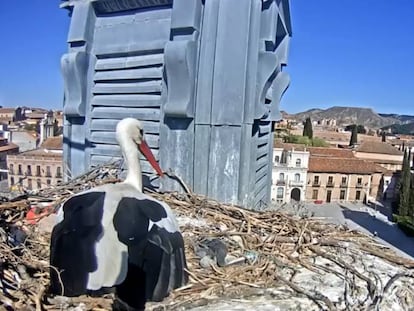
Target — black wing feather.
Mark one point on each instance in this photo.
(158, 253)
(72, 244)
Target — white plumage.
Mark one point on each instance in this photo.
(116, 236)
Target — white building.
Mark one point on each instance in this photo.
(290, 165)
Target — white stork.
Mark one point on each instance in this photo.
(114, 236)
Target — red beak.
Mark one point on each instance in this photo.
(146, 151)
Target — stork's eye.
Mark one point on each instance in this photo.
(141, 132)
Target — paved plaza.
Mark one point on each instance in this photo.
(374, 220)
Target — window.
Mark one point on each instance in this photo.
(38, 170)
(330, 179)
(316, 180)
(297, 177)
(58, 172)
(298, 162)
(279, 193)
(342, 195)
(48, 174)
(20, 172)
(11, 181)
(281, 177)
(11, 169)
(277, 159)
(359, 181)
(358, 195)
(387, 182)
(39, 184)
(29, 170)
(315, 194)
(29, 184)
(48, 182)
(343, 180)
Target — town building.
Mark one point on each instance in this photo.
(9, 115)
(6, 148)
(37, 168)
(289, 175)
(380, 153)
(335, 175)
(26, 140)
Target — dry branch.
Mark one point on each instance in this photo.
(269, 249)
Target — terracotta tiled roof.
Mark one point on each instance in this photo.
(8, 147)
(342, 165)
(287, 146)
(53, 143)
(385, 161)
(40, 153)
(378, 147)
(35, 115)
(7, 110)
(327, 152)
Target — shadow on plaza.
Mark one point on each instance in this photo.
(387, 232)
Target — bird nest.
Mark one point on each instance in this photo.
(268, 254)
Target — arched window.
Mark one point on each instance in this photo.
(281, 176)
(298, 162)
(277, 159)
(279, 193)
(297, 177)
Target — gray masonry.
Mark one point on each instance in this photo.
(205, 76)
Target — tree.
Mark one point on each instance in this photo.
(360, 128)
(307, 128)
(383, 137)
(405, 185)
(56, 128)
(354, 136)
(412, 166)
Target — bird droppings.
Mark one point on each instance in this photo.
(285, 262)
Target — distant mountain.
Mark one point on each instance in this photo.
(354, 115)
(405, 128)
(400, 118)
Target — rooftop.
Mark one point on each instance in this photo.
(7, 110)
(327, 152)
(40, 153)
(291, 147)
(378, 147)
(8, 147)
(53, 143)
(342, 165)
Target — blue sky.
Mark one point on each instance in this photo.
(33, 39)
(350, 53)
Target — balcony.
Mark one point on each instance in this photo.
(281, 182)
(296, 183)
(279, 164)
(28, 173)
(343, 185)
(358, 186)
(58, 175)
(316, 184)
(330, 184)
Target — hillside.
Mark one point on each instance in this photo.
(406, 128)
(354, 115)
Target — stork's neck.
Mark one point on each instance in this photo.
(131, 156)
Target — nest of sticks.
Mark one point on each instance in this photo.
(269, 250)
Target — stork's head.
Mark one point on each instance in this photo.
(131, 130)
